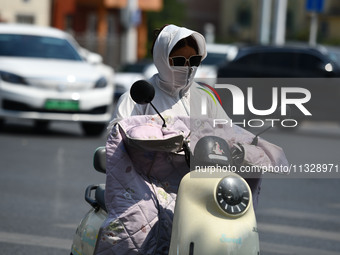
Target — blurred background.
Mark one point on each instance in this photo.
(46, 167)
(108, 27)
(121, 31)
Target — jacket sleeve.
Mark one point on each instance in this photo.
(125, 107)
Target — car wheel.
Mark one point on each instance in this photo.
(41, 125)
(2, 121)
(93, 129)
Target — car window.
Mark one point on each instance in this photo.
(17, 45)
(248, 60)
(265, 64)
(278, 60)
(335, 56)
(310, 63)
(242, 66)
(138, 67)
(214, 59)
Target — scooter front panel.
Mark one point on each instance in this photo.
(201, 227)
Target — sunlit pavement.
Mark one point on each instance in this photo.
(41, 206)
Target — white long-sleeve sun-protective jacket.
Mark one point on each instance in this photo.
(176, 92)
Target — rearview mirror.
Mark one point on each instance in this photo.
(142, 92)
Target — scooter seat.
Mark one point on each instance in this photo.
(100, 196)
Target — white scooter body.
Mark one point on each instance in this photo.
(200, 226)
(85, 238)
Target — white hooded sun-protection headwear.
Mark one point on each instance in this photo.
(175, 80)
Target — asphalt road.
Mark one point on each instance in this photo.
(300, 215)
(43, 178)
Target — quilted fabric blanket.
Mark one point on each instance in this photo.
(144, 170)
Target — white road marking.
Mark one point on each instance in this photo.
(35, 240)
(281, 249)
(290, 214)
(299, 231)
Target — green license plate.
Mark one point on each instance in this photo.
(62, 105)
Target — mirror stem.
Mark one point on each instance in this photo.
(256, 138)
(164, 125)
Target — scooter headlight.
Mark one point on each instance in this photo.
(233, 195)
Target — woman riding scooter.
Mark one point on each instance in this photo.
(141, 202)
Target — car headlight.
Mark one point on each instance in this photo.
(12, 78)
(232, 195)
(329, 67)
(101, 83)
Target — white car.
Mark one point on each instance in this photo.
(44, 78)
(129, 73)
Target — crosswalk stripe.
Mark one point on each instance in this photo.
(289, 214)
(299, 231)
(282, 249)
(35, 240)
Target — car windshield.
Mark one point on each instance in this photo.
(29, 46)
(335, 56)
(138, 67)
(214, 59)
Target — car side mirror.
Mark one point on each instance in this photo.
(94, 58)
(90, 57)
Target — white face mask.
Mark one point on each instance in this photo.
(183, 76)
